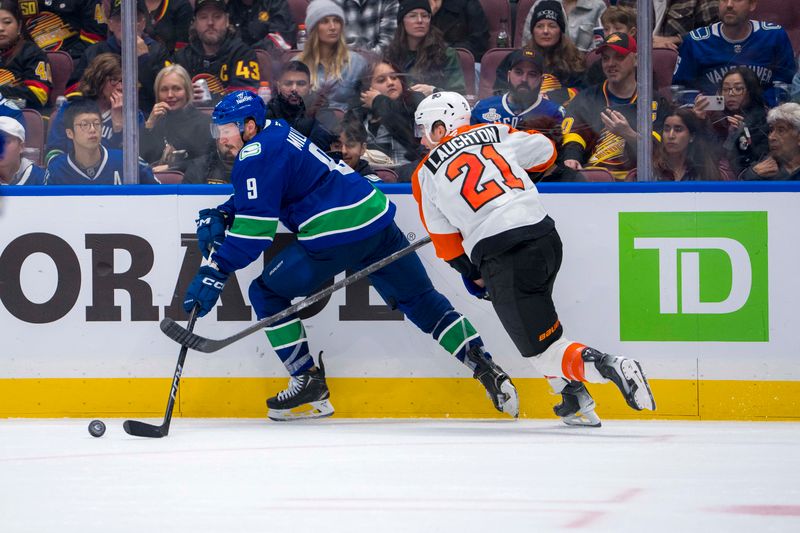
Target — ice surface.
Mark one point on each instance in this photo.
(400, 475)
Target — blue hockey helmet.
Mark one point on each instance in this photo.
(237, 107)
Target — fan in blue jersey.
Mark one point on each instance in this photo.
(524, 101)
(89, 162)
(14, 168)
(710, 51)
(341, 223)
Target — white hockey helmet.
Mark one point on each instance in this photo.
(449, 107)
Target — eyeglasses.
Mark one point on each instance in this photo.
(424, 16)
(86, 126)
(114, 81)
(736, 90)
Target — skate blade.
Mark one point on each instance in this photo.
(588, 419)
(509, 404)
(307, 411)
(641, 395)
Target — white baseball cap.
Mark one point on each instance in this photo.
(12, 127)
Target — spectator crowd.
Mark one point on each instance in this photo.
(349, 75)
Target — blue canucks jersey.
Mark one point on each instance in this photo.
(497, 109)
(62, 170)
(282, 176)
(707, 55)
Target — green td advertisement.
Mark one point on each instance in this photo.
(694, 276)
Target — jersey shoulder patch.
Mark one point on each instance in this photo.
(250, 150)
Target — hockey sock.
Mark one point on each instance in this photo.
(565, 358)
(289, 342)
(456, 334)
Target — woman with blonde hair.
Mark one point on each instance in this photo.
(176, 132)
(335, 70)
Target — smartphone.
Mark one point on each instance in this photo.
(715, 103)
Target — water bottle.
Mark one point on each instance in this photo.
(502, 36)
(302, 36)
(60, 101)
(265, 92)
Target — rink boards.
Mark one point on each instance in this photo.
(699, 284)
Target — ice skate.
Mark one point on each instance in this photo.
(306, 397)
(577, 406)
(626, 374)
(498, 385)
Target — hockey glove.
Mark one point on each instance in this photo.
(474, 289)
(204, 290)
(211, 226)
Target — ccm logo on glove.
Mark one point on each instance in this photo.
(213, 283)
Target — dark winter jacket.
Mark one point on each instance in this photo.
(208, 169)
(185, 129)
(397, 116)
(295, 116)
(446, 77)
(254, 22)
(464, 25)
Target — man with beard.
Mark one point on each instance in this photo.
(294, 86)
(216, 54)
(707, 53)
(523, 101)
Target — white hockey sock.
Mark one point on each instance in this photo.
(564, 358)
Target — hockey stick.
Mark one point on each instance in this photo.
(141, 429)
(185, 336)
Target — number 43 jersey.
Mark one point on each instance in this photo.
(475, 185)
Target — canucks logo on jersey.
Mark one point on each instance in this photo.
(498, 109)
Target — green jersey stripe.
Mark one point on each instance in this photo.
(254, 227)
(286, 334)
(454, 337)
(345, 218)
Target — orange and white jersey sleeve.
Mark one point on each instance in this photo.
(474, 185)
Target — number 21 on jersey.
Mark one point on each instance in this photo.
(475, 193)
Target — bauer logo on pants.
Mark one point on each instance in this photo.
(693, 276)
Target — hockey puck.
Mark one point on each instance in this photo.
(97, 428)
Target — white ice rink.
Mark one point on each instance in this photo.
(405, 476)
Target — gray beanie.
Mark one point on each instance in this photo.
(319, 9)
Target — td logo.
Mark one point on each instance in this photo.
(693, 276)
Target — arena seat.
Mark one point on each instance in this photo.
(34, 132)
(61, 67)
(784, 13)
(664, 61)
(387, 175)
(597, 175)
(467, 61)
(265, 66)
(523, 6)
(298, 11)
(497, 10)
(489, 62)
(170, 177)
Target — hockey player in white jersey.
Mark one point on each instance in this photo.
(486, 220)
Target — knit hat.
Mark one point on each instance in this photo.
(319, 9)
(549, 10)
(407, 6)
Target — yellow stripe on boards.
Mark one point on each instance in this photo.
(385, 398)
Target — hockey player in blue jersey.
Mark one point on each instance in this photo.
(524, 101)
(707, 53)
(341, 222)
(89, 162)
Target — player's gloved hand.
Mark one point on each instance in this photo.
(211, 227)
(204, 290)
(474, 289)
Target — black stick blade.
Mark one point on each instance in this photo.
(140, 429)
(184, 337)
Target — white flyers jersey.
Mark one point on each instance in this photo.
(475, 184)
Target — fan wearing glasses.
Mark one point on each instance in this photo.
(741, 127)
(89, 162)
